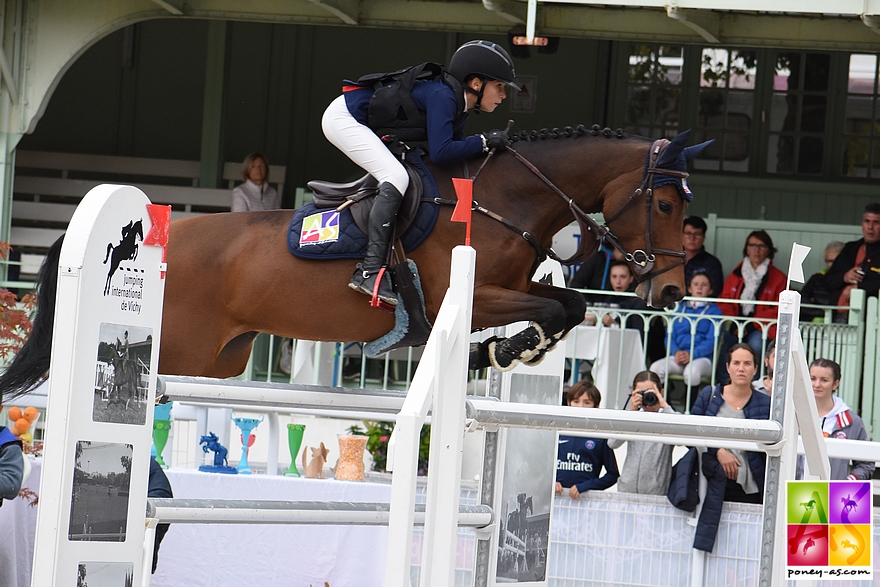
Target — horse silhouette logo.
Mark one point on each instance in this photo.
(809, 505)
(126, 250)
(848, 503)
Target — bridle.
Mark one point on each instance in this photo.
(643, 260)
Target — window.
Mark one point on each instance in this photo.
(861, 129)
(726, 106)
(653, 90)
(798, 113)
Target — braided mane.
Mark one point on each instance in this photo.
(569, 131)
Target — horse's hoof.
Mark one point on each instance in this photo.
(478, 357)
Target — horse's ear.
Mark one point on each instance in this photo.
(690, 153)
(676, 155)
(671, 153)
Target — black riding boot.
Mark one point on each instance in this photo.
(379, 231)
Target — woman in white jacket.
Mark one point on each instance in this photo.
(837, 420)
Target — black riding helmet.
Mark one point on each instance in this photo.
(487, 61)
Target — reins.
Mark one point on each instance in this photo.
(642, 259)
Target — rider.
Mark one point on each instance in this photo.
(478, 73)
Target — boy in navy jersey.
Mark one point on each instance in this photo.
(580, 460)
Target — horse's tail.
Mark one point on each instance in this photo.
(31, 362)
(109, 248)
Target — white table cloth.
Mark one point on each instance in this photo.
(213, 555)
(617, 356)
(18, 527)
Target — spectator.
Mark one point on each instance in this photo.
(680, 361)
(744, 471)
(255, 193)
(158, 486)
(765, 385)
(593, 274)
(698, 260)
(581, 460)
(755, 278)
(858, 264)
(816, 290)
(837, 421)
(621, 279)
(648, 466)
(11, 464)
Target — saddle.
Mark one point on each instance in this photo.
(358, 196)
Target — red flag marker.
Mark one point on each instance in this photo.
(160, 217)
(464, 189)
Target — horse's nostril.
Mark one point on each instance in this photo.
(671, 294)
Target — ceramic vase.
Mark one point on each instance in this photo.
(294, 442)
(161, 429)
(351, 458)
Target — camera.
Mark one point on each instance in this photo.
(649, 398)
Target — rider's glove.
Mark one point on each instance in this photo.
(495, 139)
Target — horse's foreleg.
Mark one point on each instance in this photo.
(573, 304)
(497, 306)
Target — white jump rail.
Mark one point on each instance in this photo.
(251, 511)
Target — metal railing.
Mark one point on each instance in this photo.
(344, 364)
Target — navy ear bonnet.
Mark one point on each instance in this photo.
(676, 157)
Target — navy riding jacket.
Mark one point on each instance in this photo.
(446, 140)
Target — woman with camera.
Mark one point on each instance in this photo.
(743, 470)
(648, 466)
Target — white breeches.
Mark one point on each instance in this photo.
(362, 145)
(691, 373)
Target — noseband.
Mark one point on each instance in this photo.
(643, 260)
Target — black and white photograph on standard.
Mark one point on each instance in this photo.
(122, 373)
(101, 483)
(104, 574)
(529, 475)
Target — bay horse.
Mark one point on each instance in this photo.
(230, 275)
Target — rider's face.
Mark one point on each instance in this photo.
(494, 93)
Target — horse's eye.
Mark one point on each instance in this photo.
(666, 207)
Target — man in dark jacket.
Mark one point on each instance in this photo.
(698, 260)
(858, 264)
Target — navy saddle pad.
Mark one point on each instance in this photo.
(323, 233)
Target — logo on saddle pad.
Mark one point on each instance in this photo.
(320, 228)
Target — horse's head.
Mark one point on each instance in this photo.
(646, 224)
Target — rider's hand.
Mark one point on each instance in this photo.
(495, 139)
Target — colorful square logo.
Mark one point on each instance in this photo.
(829, 529)
(320, 228)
